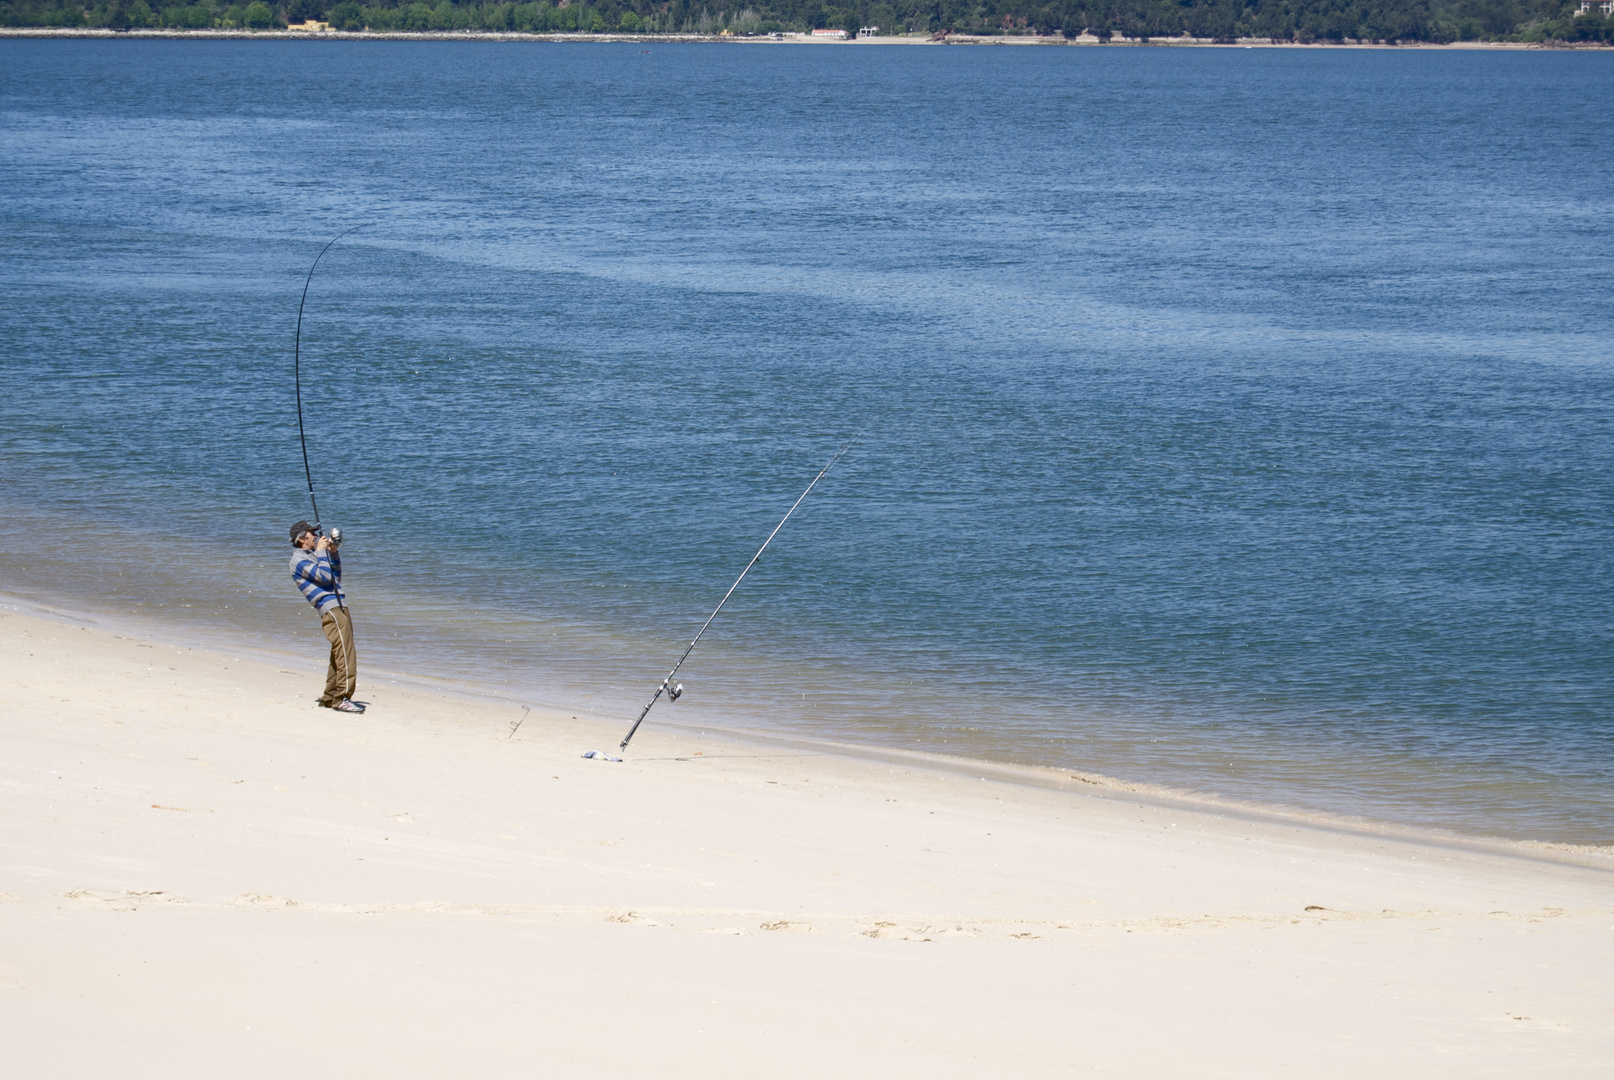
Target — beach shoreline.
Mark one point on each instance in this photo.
(1056, 778)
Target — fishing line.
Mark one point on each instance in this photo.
(297, 368)
(675, 690)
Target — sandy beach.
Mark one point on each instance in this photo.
(205, 875)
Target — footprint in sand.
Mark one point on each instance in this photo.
(126, 900)
(632, 917)
(884, 930)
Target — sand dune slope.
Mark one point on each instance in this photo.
(205, 876)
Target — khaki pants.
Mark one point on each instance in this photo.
(344, 674)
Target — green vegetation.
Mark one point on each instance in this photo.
(1283, 20)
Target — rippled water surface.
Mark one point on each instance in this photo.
(1235, 420)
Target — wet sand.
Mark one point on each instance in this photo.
(203, 874)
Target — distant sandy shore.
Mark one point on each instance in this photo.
(780, 39)
(204, 875)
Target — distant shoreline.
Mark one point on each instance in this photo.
(1082, 41)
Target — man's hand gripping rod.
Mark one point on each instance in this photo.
(666, 686)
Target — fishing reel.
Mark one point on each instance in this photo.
(674, 690)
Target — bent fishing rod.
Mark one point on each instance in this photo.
(297, 368)
(674, 691)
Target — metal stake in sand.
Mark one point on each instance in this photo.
(297, 369)
(667, 686)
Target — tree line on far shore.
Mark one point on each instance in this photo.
(1221, 20)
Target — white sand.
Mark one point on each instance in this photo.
(206, 876)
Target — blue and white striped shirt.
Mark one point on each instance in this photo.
(319, 575)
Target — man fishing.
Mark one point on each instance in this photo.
(316, 567)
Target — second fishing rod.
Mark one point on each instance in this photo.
(674, 690)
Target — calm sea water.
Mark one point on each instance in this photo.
(1236, 420)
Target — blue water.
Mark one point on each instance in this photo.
(1234, 420)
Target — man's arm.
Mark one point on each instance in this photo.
(315, 567)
